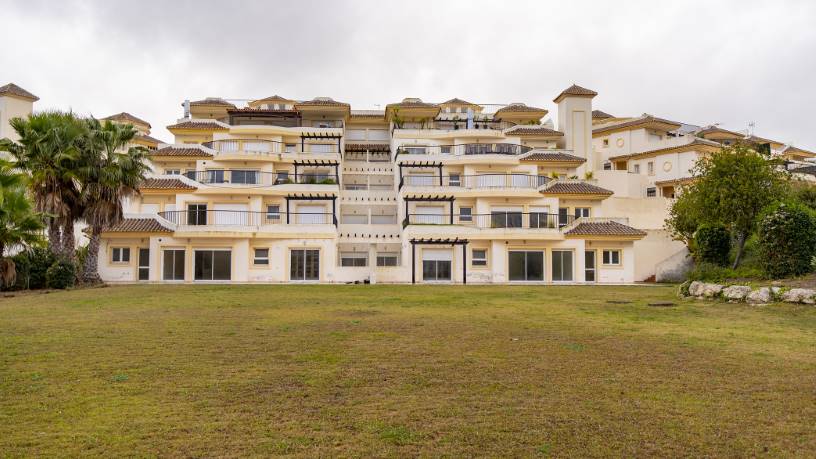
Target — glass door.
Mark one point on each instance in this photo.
(526, 265)
(144, 264)
(212, 265)
(304, 265)
(561, 265)
(589, 266)
(173, 265)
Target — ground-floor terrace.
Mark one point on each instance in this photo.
(167, 258)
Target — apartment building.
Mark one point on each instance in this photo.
(143, 138)
(284, 190)
(15, 102)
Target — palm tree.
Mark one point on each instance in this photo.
(108, 176)
(48, 151)
(20, 226)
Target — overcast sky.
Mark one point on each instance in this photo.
(696, 62)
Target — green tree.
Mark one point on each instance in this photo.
(20, 226)
(731, 188)
(787, 240)
(110, 173)
(48, 151)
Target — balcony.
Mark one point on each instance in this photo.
(477, 182)
(494, 220)
(263, 148)
(470, 149)
(253, 178)
(243, 220)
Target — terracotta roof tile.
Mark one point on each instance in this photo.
(191, 152)
(198, 124)
(533, 130)
(323, 101)
(645, 119)
(608, 228)
(126, 117)
(695, 142)
(574, 187)
(600, 115)
(555, 156)
(149, 138)
(575, 90)
(152, 183)
(716, 129)
(138, 225)
(412, 102)
(261, 110)
(275, 98)
(519, 107)
(212, 102)
(12, 89)
(368, 114)
(457, 101)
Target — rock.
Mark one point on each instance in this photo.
(775, 290)
(736, 292)
(759, 296)
(799, 295)
(695, 288)
(711, 290)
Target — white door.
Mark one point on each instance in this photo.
(314, 215)
(429, 215)
(232, 214)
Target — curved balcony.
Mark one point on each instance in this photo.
(494, 220)
(252, 178)
(477, 182)
(206, 219)
(510, 149)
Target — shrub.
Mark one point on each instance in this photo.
(62, 274)
(787, 240)
(39, 259)
(712, 244)
(22, 264)
(709, 272)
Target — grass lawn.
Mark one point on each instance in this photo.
(401, 370)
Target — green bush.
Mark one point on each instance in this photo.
(61, 275)
(709, 272)
(712, 244)
(787, 240)
(37, 261)
(22, 265)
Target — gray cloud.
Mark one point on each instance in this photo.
(698, 62)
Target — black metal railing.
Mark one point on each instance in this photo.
(524, 220)
(464, 149)
(237, 218)
(251, 177)
(264, 147)
(478, 181)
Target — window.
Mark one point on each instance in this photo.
(607, 166)
(505, 219)
(582, 212)
(290, 148)
(144, 264)
(304, 265)
(212, 265)
(454, 180)
(282, 177)
(465, 214)
(650, 167)
(445, 149)
(636, 169)
(322, 148)
(261, 257)
(606, 143)
(244, 176)
(172, 171)
(479, 257)
(561, 265)
(526, 265)
(120, 255)
(611, 257)
(388, 259)
(215, 176)
(355, 259)
(173, 264)
(196, 214)
(273, 213)
(651, 192)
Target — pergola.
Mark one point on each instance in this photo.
(428, 198)
(430, 241)
(313, 197)
(319, 135)
(318, 162)
(421, 164)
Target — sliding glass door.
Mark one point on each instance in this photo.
(562, 265)
(173, 264)
(304, 265)
(526, 265)
(212, 265)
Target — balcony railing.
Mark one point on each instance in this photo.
(252, 178)
(511, 149)
(243, 218)
(479, 181)
(523, 220)
(260, 147)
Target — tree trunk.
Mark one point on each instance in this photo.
(90, 272)
(54, 237)
(68, 242)
(740, 247)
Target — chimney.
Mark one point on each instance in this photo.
(186, 108)
(575, 121)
